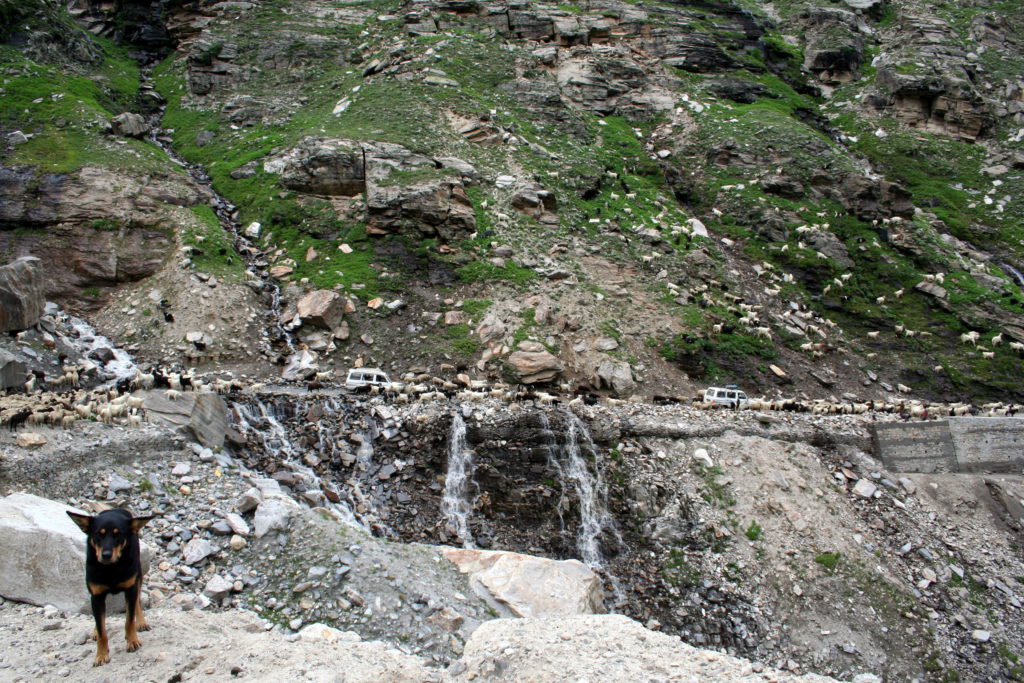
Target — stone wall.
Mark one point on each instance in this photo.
(959, 444)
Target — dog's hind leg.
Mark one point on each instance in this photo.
(99, 614)
(131, 602)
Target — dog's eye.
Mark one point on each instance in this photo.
(102, 531)
(117, 531)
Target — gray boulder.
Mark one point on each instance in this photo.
(21, 294)
(42, 555)
(617, 375)
(202, 414)
(13, 370)
(129, 124)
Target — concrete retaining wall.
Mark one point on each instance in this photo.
(959, 444)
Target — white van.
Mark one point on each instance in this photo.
(729, 395)
(363, 379)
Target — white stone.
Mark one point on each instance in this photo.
(981, 636)
(321, 633)
(218, 588)
(273, 514)
(237, 524)
(196, 550)
(701, 454)
(865, 489)
(527, 586)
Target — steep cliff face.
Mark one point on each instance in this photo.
(795, 196)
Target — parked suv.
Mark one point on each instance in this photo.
(363, 379)
(729, 395)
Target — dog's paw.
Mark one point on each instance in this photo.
(142, 626)
(133, 644)
(101, 659)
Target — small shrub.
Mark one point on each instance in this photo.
(753, 531)
(828, 561)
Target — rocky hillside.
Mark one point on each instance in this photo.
(607, 205)
(642, 198)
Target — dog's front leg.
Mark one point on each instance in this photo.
(99, 614)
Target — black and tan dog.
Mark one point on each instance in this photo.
(113, 563)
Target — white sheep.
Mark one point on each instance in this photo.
(971, 337)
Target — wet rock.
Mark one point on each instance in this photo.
(301, 365)
(273, 514)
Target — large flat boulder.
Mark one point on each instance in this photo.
(21, 294)
(42, 553)
(527, 586)
(202, 415)
(534, 367)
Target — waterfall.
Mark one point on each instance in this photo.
(1016, 274)
(226, 213)
(589, 486)
(261, 424)
(456, 504)
(121, 366)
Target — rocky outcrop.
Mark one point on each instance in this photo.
(403, 190)
(835, 44)
(532, 364)
(93, 227)
(527, 586)
(21, 294)
(927, 80)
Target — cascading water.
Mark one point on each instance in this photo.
(265, 429)
(120, 367)
(1016, 274)
(227, 215)
(589, 487)
(458, 482)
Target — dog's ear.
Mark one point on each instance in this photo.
(83, 521)
(139, 522)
